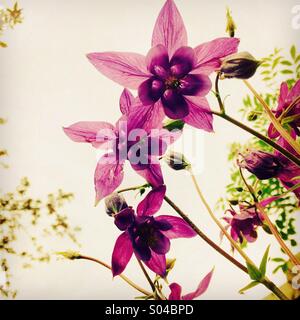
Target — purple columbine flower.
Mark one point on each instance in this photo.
(173, 77)
(244, 224)
(146, 236)
(288, 110)
(202, 287)
(124, 141)
(265, 165)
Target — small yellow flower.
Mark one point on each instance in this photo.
(15, 14)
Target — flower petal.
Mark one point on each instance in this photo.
(200, 115)
(203, 285)
(142, 250)
(295, 92)
(175, 291)
(180, 229)
(159, 243)
(146, 117)
(151, 173)
(174, 104)
(157, 264)
(183, 61)
(157, 61)
(127, 101)
(209, 54)
(108, 176)
(127, 69)
(122, 253)
(195, 85)
(152, 202)
(169, 29)
(124, 219)
(97, 133)
(151, 90)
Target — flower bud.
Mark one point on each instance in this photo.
(240, 65)
(115, 203)
(263, 165)
(230, 26)
(177, 161)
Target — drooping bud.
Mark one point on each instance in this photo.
(240, 65)
(230, 26)
(263, 165)
(115, 203)
(177, 161)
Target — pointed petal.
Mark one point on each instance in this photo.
(127, 69)
(200, 115)
(151, 173)
(169, 29)
(152, 202)
(146, 117)
(209, 54)
(127, 101)
(108, 176)
(122, 253)
(157, 263)
(180, 229)
(201, 288)
(295, 91)
(284, 91)
(175, 291)
(97, 133)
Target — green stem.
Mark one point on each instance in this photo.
(277, 125)
(239, 124)
(265, 281)
(131, 283)
(260, 136)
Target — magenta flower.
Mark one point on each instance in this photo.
(244, 224)
(146, 236)
(173, 77)
(290, 173)
(288, 110)
(265, 165)
(124, 141)
(202, 287)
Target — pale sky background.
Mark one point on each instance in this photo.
(47, 83)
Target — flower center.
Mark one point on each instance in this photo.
(172, 83)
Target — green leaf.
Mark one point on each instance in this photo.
(249, 286)
(293, 52)
(263, 264)
(286, 63)
(254, 273)
(174, 124)
(286, 71)
(278, 260)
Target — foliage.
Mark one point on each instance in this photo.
(275, 69)
(24, 219)
(9, 18)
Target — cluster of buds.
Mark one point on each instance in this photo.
(9, 17)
